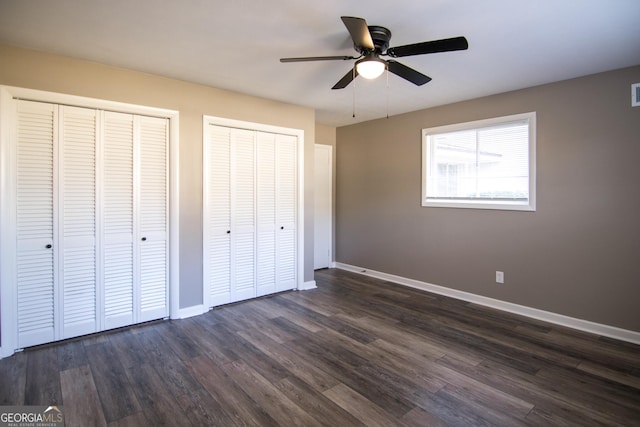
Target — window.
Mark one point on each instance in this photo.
(486, 164)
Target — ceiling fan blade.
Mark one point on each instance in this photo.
(434, 46)
(359, 32)
(348, 78)
(317, 58)
(407, 73)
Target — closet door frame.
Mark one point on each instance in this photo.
(260, 127)
(8, 220)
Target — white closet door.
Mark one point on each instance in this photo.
(287, 211)
(92, 214)
(243, 215)
(77, 221)
(217, 221)
(322, 206)
(266, 218)
(152, 207)
(250, 213)
(37, 127)
(118, 221)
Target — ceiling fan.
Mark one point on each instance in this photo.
(372, 42)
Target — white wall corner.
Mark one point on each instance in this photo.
(534, 313)
(311, 284)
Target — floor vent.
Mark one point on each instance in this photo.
(635, 95)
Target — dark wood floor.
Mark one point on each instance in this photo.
(356, 351)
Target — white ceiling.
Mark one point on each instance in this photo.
(236, 44)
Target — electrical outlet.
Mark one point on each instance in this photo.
(499, 277)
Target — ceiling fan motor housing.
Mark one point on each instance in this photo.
(380, 37)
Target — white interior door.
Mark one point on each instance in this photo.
(229, 250)
(117, 220)
(266, 218)
(77, 221)
(243, 215)
(286, 211)
(36, 265)
(277, 212)
(84, 215)
(322, 207)
(87, 183)
(217, 218)
(153, 218)
(251, 212)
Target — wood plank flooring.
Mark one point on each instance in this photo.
(355, 352)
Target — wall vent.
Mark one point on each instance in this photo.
(635, 95)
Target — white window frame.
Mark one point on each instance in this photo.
(470, 203)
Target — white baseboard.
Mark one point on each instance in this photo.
(534, 313)
(311, 284)
(194, 310)
(197, 310)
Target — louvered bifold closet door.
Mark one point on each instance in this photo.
(37, 126)
(152, 207)
(217, 221)
(266, 214)
(118, 218)
(243, 215)
(250, 213)
(287, 211)
(77, 221)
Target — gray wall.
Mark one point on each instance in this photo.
(577, 255)
(34, 70)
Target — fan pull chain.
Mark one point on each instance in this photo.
(354, 91)
(387, 67)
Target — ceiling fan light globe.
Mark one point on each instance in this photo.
(370, 68)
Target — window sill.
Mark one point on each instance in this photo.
(503, 205)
